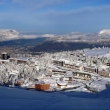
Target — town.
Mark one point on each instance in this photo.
(86, 70)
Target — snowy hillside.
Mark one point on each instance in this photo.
(59, 80)
(13, 98)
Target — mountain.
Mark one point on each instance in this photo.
(22, 42)
(104, 32)
(103, 35)
(54, 42)
(52, 46)
(8, 35)
(74, 40)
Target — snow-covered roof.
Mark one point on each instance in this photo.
(38, 82)
(62, 83)
(66, 61)
(31, 86)
(55, 68)
(4, 52)
(23, 59)
(4, 60)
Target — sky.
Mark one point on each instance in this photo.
(55, 16)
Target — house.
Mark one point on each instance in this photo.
(22, 60)
(58, 62)
(73, 66)
(4, 61)
(31, 86)
(58, 72)
(19, 61)
(68, 76)
(108, 64)
(48, 75)
(104, 73)
(19, 82)
(4, 56)
(12, 59)
(55, 70)
(42, 87)
(82, 75)
(90, 69)
(62, 84)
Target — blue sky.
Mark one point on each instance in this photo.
(55, 16)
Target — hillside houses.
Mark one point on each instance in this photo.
(59, 69)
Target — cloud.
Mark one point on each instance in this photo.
(35, 15)
(38, 4)
(48, 35)
(72, 17)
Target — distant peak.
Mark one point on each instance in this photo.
(105, 31)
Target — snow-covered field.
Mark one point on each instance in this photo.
(16, 98)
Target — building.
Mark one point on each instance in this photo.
(4, 56)
(62, 84)
(73, 66)
(42, 87)
(90, 69)
(57, 71)
(58, 63)
(19, 61)
(104, 73)
(82, 75)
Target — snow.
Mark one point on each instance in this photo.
(13, 73)
(105, 31)
(9, 34)
(72, 89)
(98, 52)
(66, 61)
(62, 83)
(15, 98)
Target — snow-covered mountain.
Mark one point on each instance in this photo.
(105, 32)
(10, 34)
(103, 35)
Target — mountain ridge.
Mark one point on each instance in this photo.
(10, 34)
